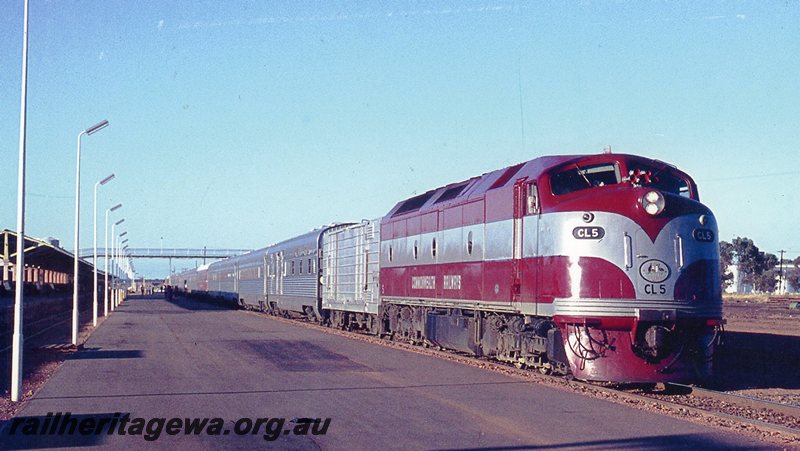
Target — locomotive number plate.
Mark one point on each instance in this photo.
(704, 235)
(588, 233)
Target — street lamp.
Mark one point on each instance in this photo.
(19, 269)
(89, 131)
(105, 253)
(120, 261)
(113, 239)
(94, 259)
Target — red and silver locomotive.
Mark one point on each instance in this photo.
(605, 266)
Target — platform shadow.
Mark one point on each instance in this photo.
(752, 360)
(656, 442)
(96, 353)
(200, 302)
(32, 362)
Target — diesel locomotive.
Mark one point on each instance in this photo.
(603, 266)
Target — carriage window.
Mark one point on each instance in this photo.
(469, 243)
(292, 267)
(577, 177)
(310, 267)
(433, 248)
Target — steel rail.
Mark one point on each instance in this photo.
(741, 400)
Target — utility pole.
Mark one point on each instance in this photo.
(781, 282)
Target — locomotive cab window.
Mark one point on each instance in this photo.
(531, 199)
(577, 177)
(663, 178)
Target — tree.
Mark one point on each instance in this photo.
(747, 257)
(756, 268)
(767, 276)
(793, 274)
(725, 262)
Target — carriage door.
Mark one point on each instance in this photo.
(266, 280)
(281, 271)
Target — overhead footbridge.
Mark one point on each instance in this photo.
(144, 252)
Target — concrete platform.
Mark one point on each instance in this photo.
(154, 359)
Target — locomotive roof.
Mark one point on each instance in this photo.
(478, 186)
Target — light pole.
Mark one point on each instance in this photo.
(106, 254)
(89, 131)
(120, 263)
(113, 256)
(94, 259)
(19, 266)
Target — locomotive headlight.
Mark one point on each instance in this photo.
(653, 202)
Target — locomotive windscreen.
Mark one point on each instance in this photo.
(578, 177)
(664, 178)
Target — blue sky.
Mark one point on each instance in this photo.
(242, 123)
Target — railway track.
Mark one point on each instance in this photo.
(767, 420)
(784, 417)
(50, 322)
